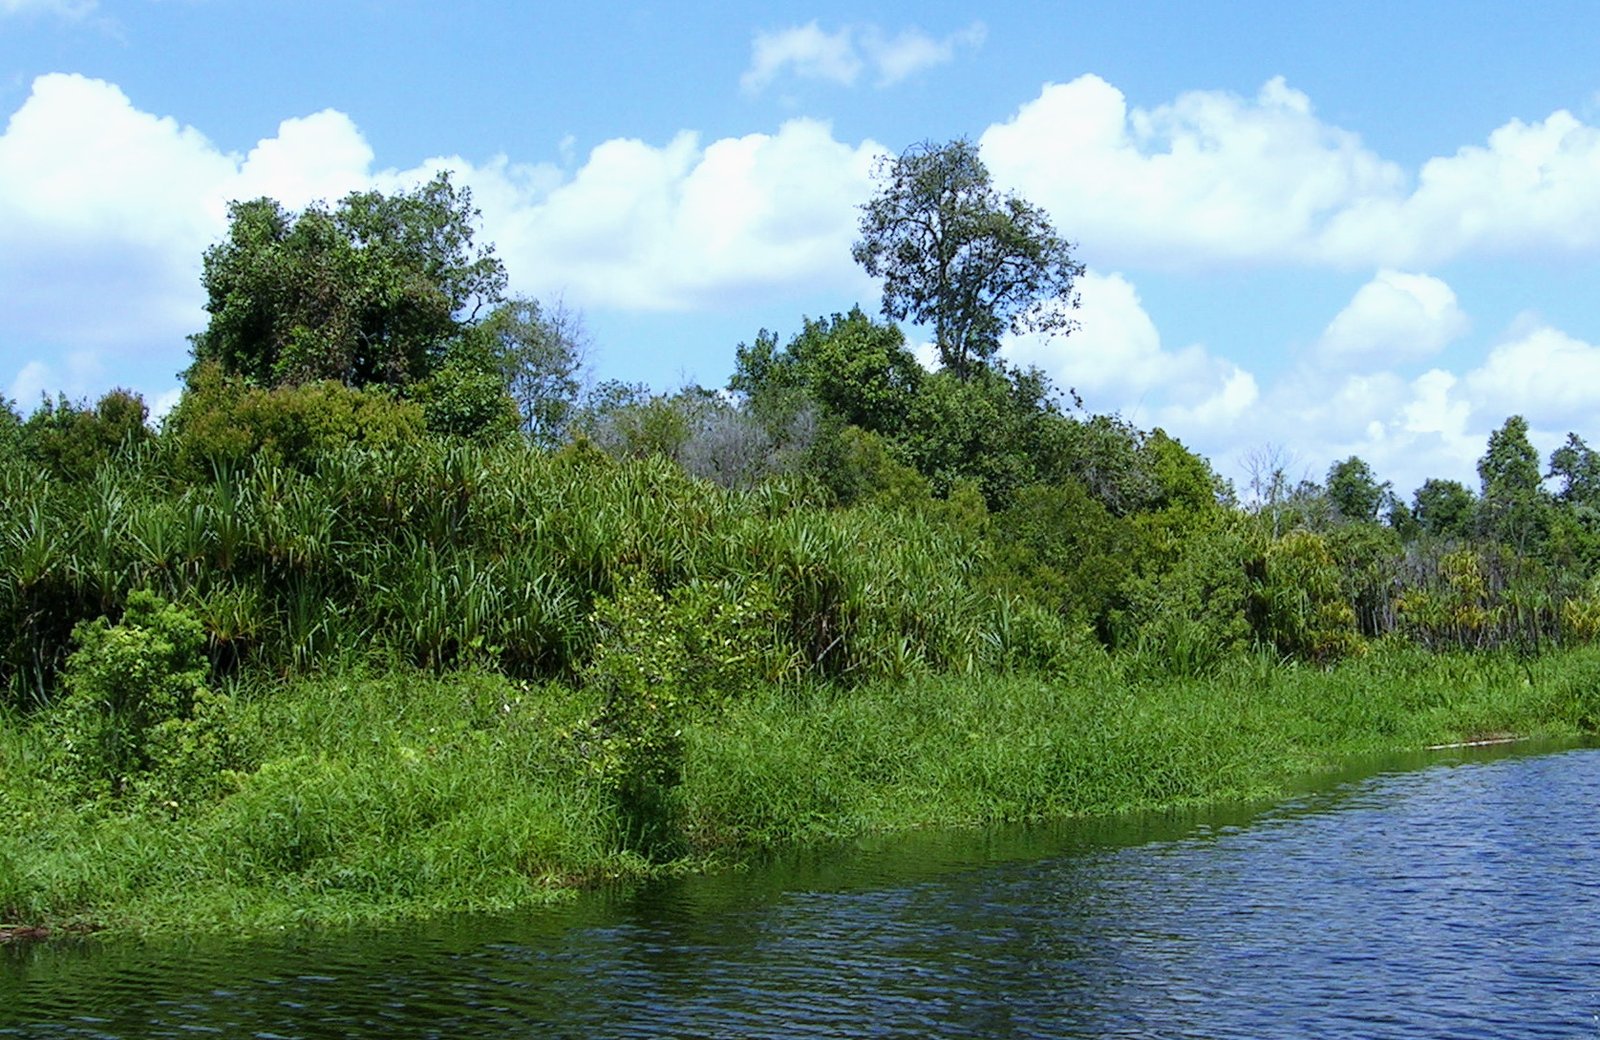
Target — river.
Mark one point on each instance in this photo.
(1451, 896)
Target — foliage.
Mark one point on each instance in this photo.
(223, 423)
(855, 371)
(1512, 509)
(859, 466)
(1297, 605)
(72, 441)
(137, 713)
(1444, 508)
(1354, 490)
(1577, 466)
(660, 661)
(1058, 546)
(467, 396)
(1369, 560)
(991, 428)
(539, 353)
(1187, 600)
(370, 292)
(954, 252)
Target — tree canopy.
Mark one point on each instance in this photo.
(954, 252)
(372, 291)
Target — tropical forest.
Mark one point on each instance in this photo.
(398, 613)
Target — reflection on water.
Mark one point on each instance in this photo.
(1459, 899)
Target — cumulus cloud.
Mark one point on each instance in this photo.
(105, 211)
(1409, 428)
(686, 225)
(1531, 187)
(1116, 362)
(839, 57)
(1209, 177)
(1394, 318)
(1436, 424)
(1214, 177)
(1543, 373)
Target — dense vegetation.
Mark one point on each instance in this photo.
(388, 617)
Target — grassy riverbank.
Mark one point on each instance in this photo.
(370, 798)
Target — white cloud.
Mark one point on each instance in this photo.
(806, 51)
(106, 210)
(1532, 187)
(839, 57)
(1394, 318)
(1434, 425)
(685, 225)
(1544, 373)
(1212, 177)
(79, 374)
(913, 51)
(1208, 177)
(1116, 362)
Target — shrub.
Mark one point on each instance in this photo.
(660, 659)
(224, 423)
(137, 717)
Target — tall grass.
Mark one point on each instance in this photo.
(446, 554)
(377, 795)
(793, 765)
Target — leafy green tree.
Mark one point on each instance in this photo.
(466, 395)
(1058, 545)
(72, 441)
(1444, 508)
(223, 423)
(372, 291)
(1105, 453)
(10, 428)
(993, 428)
(858, 465)
(852, 368)
(539, 353)
(1514, 506)
(137, 710)
(1182, 478)
(1355, 491)
(954, 252)
(1577, 466)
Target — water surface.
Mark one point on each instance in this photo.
(1459, 898)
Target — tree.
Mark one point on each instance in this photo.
(954, 252)
(373, 291)
(1355, 491)
(1444, 508)
(1512, 509)
(853, 369)
(1578, 467)
(540, 352)
(73, 440)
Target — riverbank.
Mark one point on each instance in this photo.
(375, 798)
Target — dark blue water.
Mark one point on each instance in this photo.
(1458, 899)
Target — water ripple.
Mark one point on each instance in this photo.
(1452, 901)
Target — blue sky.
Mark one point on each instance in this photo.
(1335, 229)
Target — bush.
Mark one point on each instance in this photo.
(659, 661)
(138, 717)
(223, 423)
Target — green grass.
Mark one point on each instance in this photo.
(374, 798)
